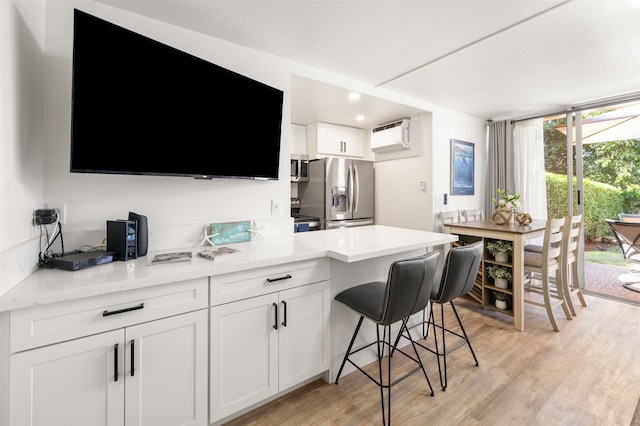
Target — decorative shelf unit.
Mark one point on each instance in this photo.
(482, 291)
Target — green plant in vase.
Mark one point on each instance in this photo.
(500, 299)
(500, 249)
(501, 275)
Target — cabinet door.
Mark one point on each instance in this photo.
(303, 333)
(244, 354)
(72, 383)
(330, 139)
(353, 141)
(166, 371)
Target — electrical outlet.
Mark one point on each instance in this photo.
(60, 208)
(275, 207)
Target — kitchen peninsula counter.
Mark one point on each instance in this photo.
(346, 245)
(191, 329)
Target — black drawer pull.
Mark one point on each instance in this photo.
(120, 311)
(286, 277)
(275, 318)
(115, 363)
(132, 356)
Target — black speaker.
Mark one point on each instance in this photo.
(122, 238)
(142, 236)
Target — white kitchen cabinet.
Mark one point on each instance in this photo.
(332, 139)
(266, 344)
(148, 368)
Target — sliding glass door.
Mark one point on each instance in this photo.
(592, 163)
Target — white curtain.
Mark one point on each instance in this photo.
(529, 179)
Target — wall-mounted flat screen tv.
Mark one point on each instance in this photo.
(142, 107)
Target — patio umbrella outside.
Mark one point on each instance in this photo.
(618, 125)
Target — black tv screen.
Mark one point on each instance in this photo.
(142, 107)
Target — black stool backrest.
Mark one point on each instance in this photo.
(409, 285)
(459, 272)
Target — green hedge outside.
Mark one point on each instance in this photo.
(602, 202)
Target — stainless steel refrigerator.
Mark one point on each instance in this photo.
(339, 192)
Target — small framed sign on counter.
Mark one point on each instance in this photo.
(230, 232)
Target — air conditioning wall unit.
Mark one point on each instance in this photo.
(391, 137)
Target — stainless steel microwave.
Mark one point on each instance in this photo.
(299, 168)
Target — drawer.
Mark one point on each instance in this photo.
(57, 322)
(256, 282)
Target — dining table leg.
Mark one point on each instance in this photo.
(518, 282)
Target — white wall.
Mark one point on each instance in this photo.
(35, 89)
(21, 141)
(400, 198)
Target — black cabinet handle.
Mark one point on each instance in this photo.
(286, 277)
(133, 342)
(284, 322)
(115, 366)
(275, 310)
(121, 311)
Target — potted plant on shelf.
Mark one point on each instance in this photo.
(501, 275)
(500, 250)
(501, 299)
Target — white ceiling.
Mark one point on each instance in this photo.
(493, 59)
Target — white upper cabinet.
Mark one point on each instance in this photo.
(332, 139)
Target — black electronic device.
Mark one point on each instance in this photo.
(142, 237)
(141, 107)
(74, 262)
(121, 238)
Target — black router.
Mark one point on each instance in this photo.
(74, 262)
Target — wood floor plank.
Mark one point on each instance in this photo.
(586, 374)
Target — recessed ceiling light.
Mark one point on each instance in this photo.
(360, 117)
(354, 96)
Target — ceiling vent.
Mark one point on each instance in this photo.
(391, 137)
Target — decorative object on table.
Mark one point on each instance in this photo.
(501, 275)
(501, 216)
(506, 205)
(211, 254)
(500, 299)
(462, 167)
(500, 250)
(182, 256)
(523, 218)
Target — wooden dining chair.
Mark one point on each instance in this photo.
(451, 216)
(471, 215)
(540, 268)
(573, 228)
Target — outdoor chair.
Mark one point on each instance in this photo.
(628, 236)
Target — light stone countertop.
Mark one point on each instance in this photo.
(345, 245)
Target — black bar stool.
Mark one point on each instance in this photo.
(407, 290)
(458, 277)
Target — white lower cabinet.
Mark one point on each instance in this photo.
(263, 345)
(136, 359)
(147, 374)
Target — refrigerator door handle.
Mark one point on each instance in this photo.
(356, 200)
(350, 190)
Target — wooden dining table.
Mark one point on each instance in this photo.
(518, 235)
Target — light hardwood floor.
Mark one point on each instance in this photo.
(586, 374)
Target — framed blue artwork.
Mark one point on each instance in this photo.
(462, 167)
